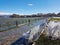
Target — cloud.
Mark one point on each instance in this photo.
(4, 13)
(30, 4)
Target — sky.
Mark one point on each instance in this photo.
(28, 7)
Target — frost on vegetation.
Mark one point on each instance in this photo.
(53, 29)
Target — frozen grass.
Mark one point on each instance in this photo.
(44, 40)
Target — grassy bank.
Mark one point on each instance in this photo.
(52, 19)
(44, 40)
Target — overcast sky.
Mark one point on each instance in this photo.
(29, 6)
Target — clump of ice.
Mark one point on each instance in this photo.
(52, 24)
(53, 29)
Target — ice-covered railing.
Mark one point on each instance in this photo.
(35, 31)
(33, 34)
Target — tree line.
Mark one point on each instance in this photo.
(35, 15)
